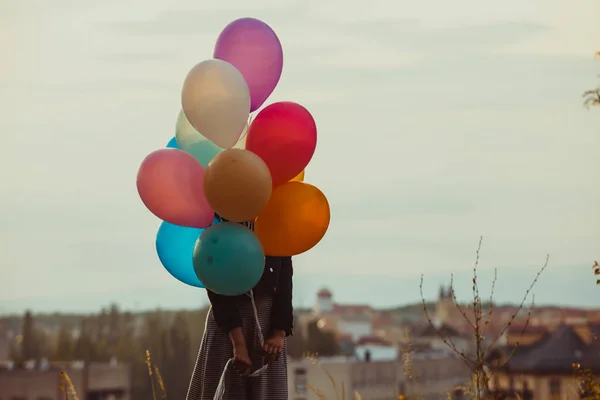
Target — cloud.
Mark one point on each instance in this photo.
(196, 19)
(447, 40)
(431, 12)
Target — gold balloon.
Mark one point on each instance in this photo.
(295, 219)
(237, 184)
(298, 178)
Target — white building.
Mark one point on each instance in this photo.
(355, 321)
(376, 349)
(311, 380)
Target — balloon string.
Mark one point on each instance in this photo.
(220, 392)
(246, 128)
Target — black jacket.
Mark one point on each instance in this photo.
(275, 281)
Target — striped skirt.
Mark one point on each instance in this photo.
(216, 349)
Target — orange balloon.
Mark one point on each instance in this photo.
(298, 178)
(294, 220)
(237, 184)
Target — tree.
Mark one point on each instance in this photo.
(296, 344)
(64, 344)
(592, 97)
(114, 322)
(84, 346)
(30, 345)
(320, 342)
(179, 362)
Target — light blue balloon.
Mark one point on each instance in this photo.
(229, 259)
(193, 143)
(203, 151)
(175, 247)
(173, 143)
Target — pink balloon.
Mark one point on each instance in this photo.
(254, 49)
(171, 184)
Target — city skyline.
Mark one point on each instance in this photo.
(510, 288)
(438, 123)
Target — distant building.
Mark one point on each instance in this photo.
(428, 335)
(433, 377)
(435, 374)
(324, 303)
(542, 367)
(95, 381)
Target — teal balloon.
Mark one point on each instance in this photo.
(175, 247)
(173, 143)
(228, 259)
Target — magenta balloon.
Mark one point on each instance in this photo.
(171, 184)
(254, 49)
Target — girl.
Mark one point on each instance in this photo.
(231, 332)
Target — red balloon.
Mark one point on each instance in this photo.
(170, 182)
(284, 135)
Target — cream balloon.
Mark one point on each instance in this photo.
(216, 101)
(188, 137)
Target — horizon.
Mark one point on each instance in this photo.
(546, 291)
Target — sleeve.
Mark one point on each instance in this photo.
(225, 311)
(282, 314)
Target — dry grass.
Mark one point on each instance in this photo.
(587, 382)
(340, 390)
(66, 386)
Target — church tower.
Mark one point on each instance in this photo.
(444, 304)
(324, 302)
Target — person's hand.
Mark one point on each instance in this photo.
(274, 345)
(241, 360)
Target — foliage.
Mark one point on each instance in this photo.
(589, 385)
(172, 337)
(321, 342)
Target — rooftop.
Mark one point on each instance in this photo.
(428, 331)
(554, 353)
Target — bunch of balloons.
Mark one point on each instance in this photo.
(221, 170)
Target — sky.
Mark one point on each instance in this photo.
(438, 122)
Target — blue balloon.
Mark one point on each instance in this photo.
(175, 246)
(173, 143)
(229, 259)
